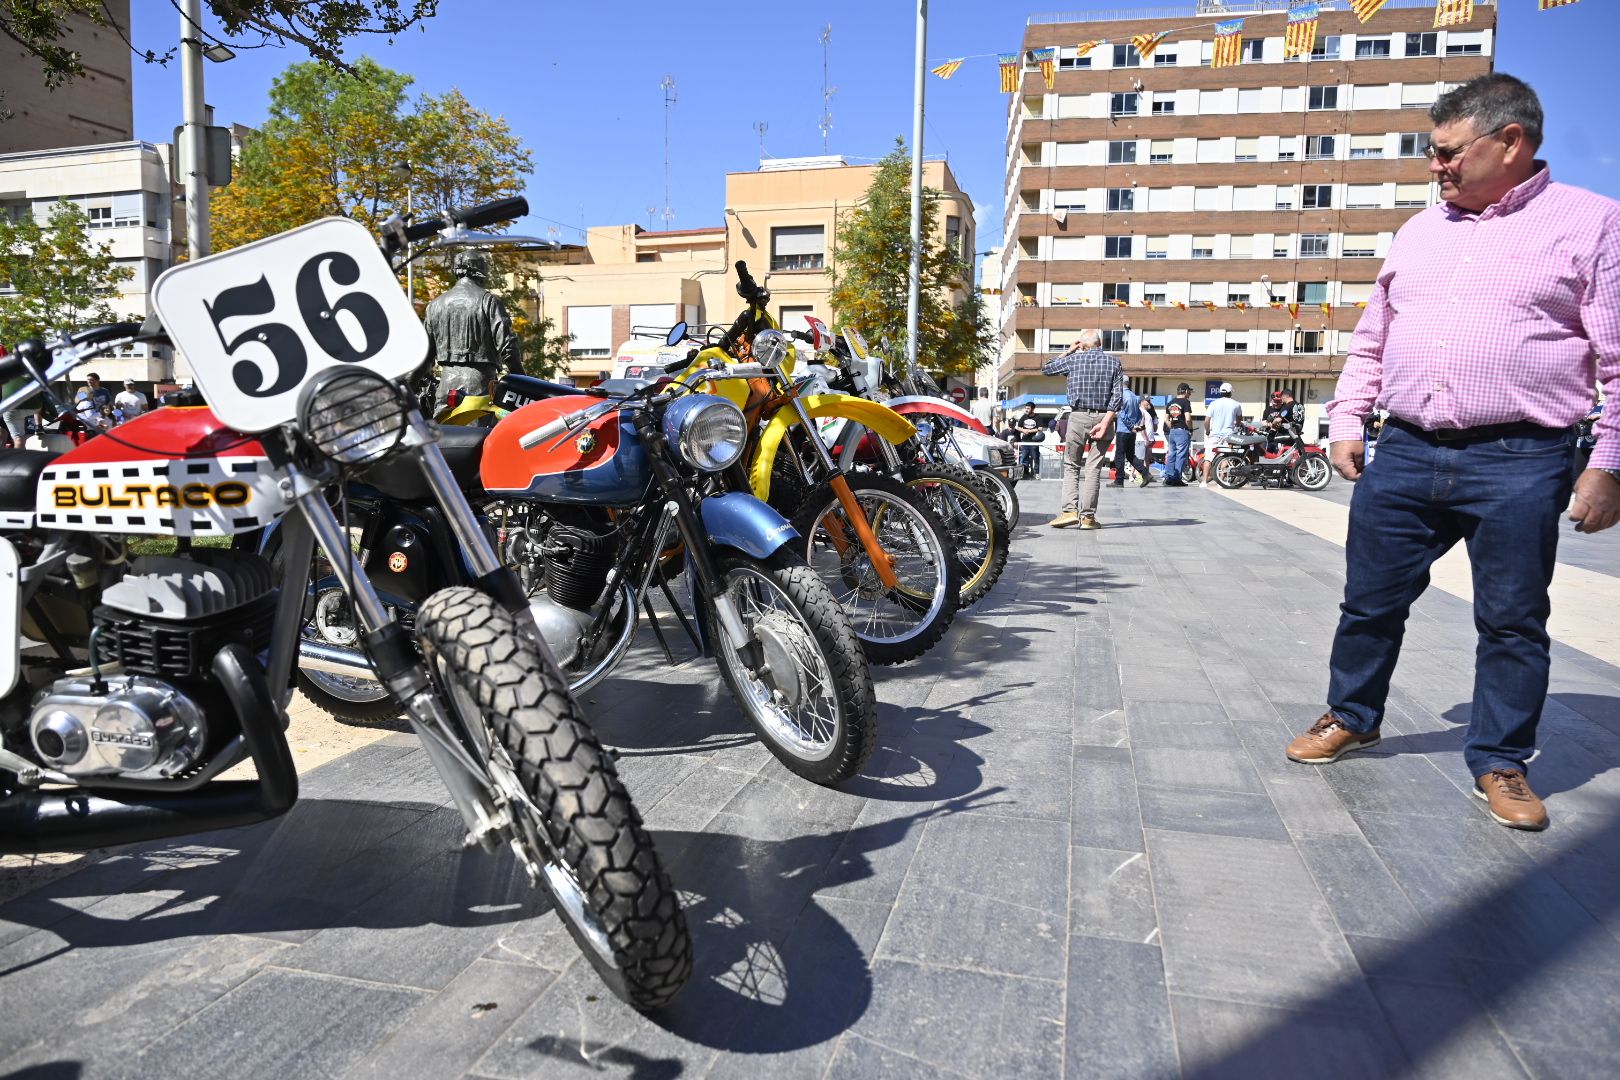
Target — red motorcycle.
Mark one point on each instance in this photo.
(1243, 457)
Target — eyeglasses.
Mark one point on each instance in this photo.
(1447, 157)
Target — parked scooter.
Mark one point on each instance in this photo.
(1244, 459)
(159, 673)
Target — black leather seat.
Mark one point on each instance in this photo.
(19, 477)
(400, 477)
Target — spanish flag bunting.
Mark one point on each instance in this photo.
(1085, 47)
(1240, 305)
(1146, 43)
(1046, 59)
(1547, 5)
(1009, 72)
(1300, 37)
(1182, 304)
(1361, 303)
(1293, 311)
(1122, 303)
(1453, 13)
(1366, 9)
(1228, 44)
(1209, 305)
(947, 69)
(1149, 305)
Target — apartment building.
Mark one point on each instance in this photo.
(1215, 194)
(782, 220)
(97, 107)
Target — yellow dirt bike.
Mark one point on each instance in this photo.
(886, 555)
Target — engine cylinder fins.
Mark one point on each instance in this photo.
(577, 562)
(200, 584)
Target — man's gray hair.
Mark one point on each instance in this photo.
(1492, 102)
(1091, 338)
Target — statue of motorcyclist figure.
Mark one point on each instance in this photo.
(469, 332)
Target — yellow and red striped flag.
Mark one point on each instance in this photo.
(1453, 13)
(1085, 47)
(1146, 43)
(1363, 303)
(1209, 305)
(1300, 37)
(1182, 304)
(1121, 303)
(1228, 44)
(1148, 304)
(1293, 311)
(1047, 60)
(1276, 305)
(1548, 5)
(1009, 72)
(947, 69)
(1366, 9)
(1240, 305)
(1327, 309)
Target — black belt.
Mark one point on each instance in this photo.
(1089, 408)
(1475, 434)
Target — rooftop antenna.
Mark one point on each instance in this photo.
(651, 210)
(669, 103)
(760, 127)
(826, 91)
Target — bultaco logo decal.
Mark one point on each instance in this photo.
(150, 496)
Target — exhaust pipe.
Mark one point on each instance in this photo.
(334, 660)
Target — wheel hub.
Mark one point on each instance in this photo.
(780, 670)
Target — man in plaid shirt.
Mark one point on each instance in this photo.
(1096, 385)
(1493, 316)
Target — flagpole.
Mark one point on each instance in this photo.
(914, 298)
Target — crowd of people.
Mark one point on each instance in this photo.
(94, 410)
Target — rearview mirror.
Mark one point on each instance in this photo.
(676, 335)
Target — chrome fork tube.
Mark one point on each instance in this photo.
(463, 522)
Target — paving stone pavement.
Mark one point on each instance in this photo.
(1079, 852)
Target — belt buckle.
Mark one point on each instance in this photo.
(1449, 434)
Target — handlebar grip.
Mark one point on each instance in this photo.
(745, 280)
(546, 431)
(421, 230)
(489, 213)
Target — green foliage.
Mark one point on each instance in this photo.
(872, 272)
(62, 279)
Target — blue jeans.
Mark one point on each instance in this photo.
(1504, 498)
(1029, 457)
(1178, 448)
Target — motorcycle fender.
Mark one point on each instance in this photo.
(738, 520)
(471, 411)
(10, 614)
(872, 414)
(907, 406)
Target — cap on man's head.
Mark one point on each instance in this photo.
(1226, 388)
(129, 382)
(1276, 395)
(1184, 389)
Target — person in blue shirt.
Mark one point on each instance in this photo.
(1125, 425)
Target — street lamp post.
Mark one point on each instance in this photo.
(194, 132)
(914, 298)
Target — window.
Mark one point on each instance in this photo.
(1316, 197)
(1251, 101)
(1414, 143)
(1323, 97)
(1201, 292)
(1070, 247)
(1156, 293)
(1276, 341)
(1311, 292)
(1242, 247)
(1360, 245)
(1308, 341)
(953, 237)
(1313, 245)
(1411, 194)
(1279, 246)
(1117, 291)
(1254, 50)
(1117, 247)
(1236, 341)
(1246, 198)
(1067, 58)
(1158, 247)
(1068, 295)
(1355, 292)
(798, 247)
(100, 217)
(1069, 153)
(1164, 106)
(1123, 104)
(1372, 48)
(646, 256)
(1235, 295)
(1212, 102)
(1072, 199)
(1122, 198)
(590, 330)
(1326, 48)
(1203, 247)
(1211, 198)
(1363, 196)
(1122, 152)
(1208, 150)
(1366, 146)
(1201, 341)
(1288, 148)
(1059, 340)
(1319, 146)
(1372, 96)
(1248, 149)
(1114, 340)
(1285, 198)
(1417, 95)
(1163, 57)
(1072, 106)
(127, 209)
(1422, 44)
(1127, 56)
(1153, 341)
(1465, 43)
(1161, 151)
(793, 318)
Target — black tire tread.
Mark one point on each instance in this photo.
(999, 543)
(996, 487)
(587, 811)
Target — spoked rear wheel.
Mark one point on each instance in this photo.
(977, 525)
(573, 826)
(898, 623)
(1229, 470)
(1311, 472)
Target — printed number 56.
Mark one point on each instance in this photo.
(320, 319)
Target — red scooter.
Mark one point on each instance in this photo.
(1243, 458)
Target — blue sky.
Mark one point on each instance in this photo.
(579, 82)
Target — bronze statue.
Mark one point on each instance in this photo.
(469, 332)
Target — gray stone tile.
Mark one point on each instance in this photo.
(1542, 1005)
(1118, 1014)
(1564, 1061)
(447, 1034)
(1470, 833)
(1445, 1031)
(1215, 770)
(1111, 895)
(1105, 811)
(776, 794)
(302, 1025)
(1422, 958)
(1404, 784)
(1183, 725)
(1015, 860)
(1309, 806)
(1241, 919)
(935, 924)
(1363, 897)
(862, 1058)
(1031, 769)
(1099, 725)
(1220, 1039)
(1225, 813)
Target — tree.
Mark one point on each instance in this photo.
(62, 279)
(320, 26)
(872, 271)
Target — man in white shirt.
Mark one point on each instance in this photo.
(131, 401)
(983, 406)
(1221, 420)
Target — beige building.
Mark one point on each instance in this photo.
(781, 220)
(97, 107)
(1220, 196)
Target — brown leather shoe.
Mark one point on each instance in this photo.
(1511, 801)
(1328, 740)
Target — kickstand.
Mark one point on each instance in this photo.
(658, 631)
(680, 615)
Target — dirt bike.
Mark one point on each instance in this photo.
(155, 673)
(1243, 458)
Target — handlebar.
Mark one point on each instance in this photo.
(747, 287)
(472, 217)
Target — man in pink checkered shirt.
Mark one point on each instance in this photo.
(1494, 317)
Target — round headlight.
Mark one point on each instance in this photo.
(771, 347)
(352, 414)
(709, 431)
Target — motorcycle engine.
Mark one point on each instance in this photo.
(158, 629)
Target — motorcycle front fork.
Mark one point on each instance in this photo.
(882, 564)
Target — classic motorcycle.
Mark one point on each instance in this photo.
(1243, 458)
(158, 672)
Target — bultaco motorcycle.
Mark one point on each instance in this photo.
(156, 673)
